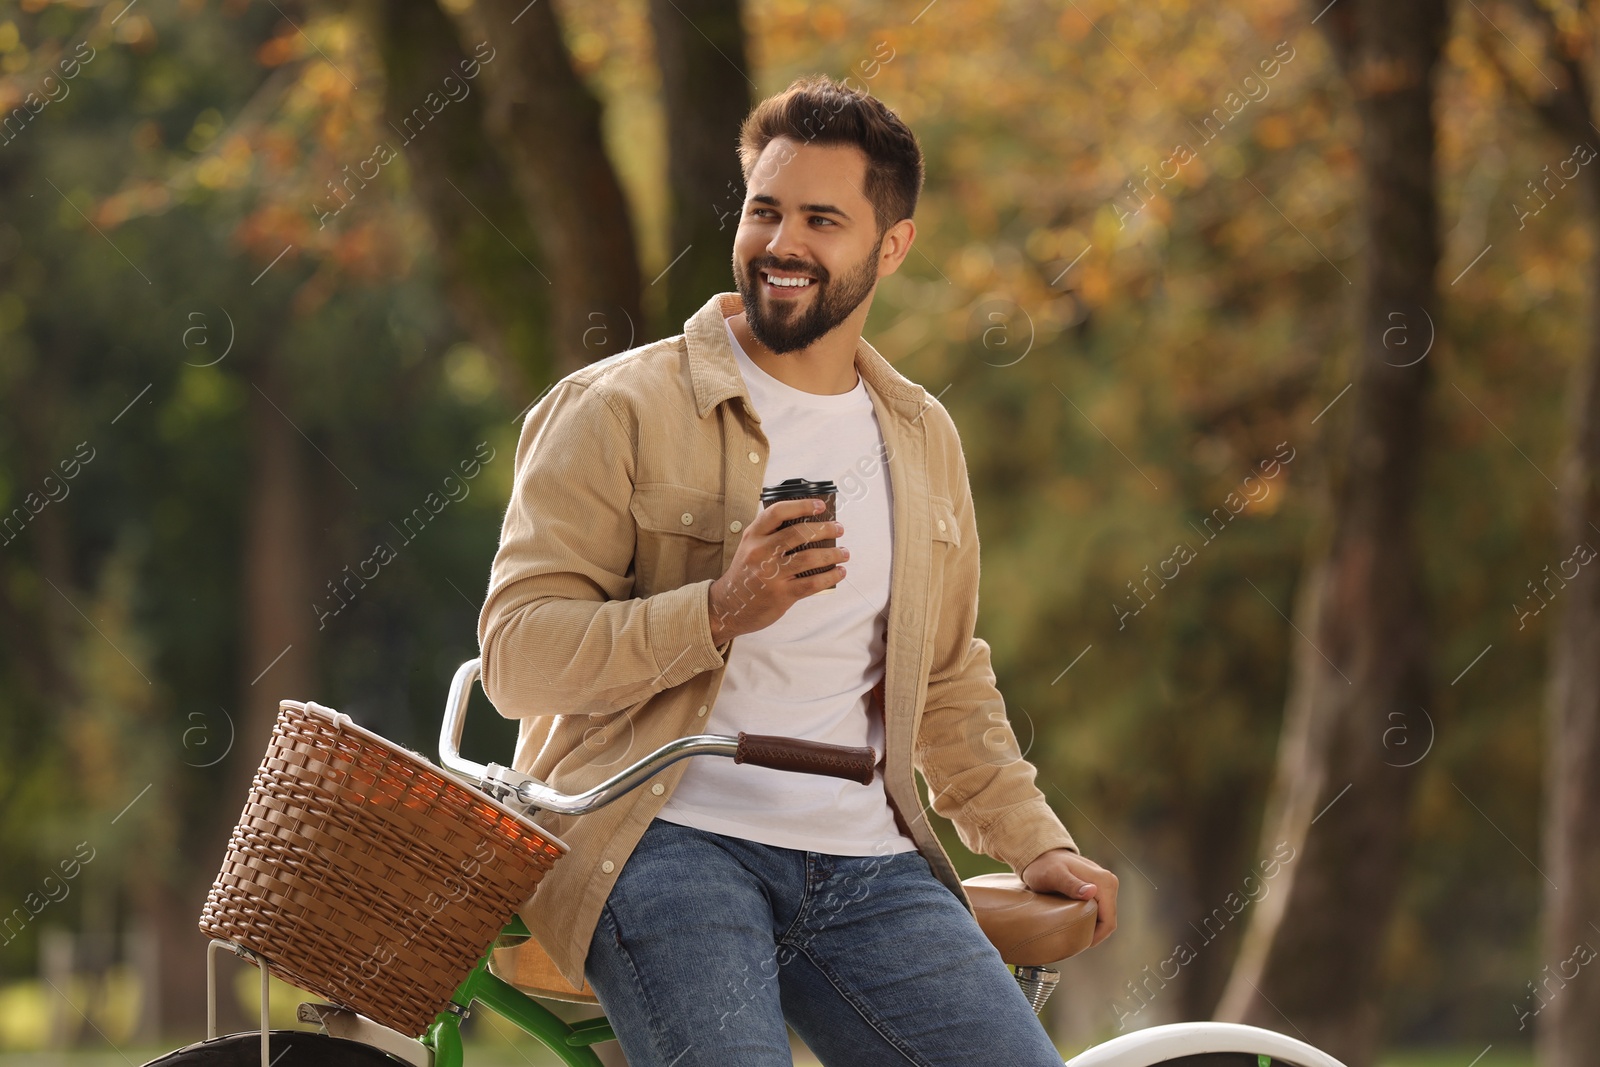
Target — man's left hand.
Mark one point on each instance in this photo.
(1063, 871)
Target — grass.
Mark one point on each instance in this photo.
(1459, 1057)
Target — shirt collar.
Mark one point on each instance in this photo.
(715, 372)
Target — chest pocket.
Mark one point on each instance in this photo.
(680, 535)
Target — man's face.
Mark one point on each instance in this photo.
(805, 216)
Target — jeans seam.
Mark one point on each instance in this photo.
(657, 1030)
(802, 912)
(868, 1016)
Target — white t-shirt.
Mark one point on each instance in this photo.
(810, 673)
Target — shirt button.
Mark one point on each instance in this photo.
(735, 525)
(608, 866)
(755, 457)
(658, 789)
(702, 711)
(941, 523)
(688, 519)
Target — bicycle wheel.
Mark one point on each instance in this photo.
(1223, 1059)
(244, 1050)
(1203, 1045)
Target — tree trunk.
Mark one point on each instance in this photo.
(706, 88)
(1309, 966)
(1568, 1028)
(546, 123)
(1566, 995)
(277, 662)
(280, 592)
(495, 277)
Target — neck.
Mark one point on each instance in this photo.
(826, 367)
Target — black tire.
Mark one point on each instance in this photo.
(244, 1050)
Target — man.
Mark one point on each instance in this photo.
(641, 593)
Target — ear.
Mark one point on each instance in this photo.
(895, 244)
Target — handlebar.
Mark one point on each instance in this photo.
(528, 793)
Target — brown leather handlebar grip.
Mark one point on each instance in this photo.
(808, 757)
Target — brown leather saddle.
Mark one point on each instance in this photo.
(1029, 929)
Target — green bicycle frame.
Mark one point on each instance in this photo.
(569, 1041)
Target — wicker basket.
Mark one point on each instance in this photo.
(366, 875)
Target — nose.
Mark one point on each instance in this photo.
(787, 245)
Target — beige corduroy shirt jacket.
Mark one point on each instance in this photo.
(634, 476)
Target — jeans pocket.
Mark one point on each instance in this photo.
(661, 860)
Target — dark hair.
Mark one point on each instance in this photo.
(815, 109)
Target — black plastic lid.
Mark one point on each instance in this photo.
(796, 489)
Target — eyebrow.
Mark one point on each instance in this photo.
(821, 209)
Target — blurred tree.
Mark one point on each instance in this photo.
(279, 631)
(495, 267)
(211, 363)
(1566, 1006)
(546, 122)
(706, 91)
(1364, 664)
(543, 122)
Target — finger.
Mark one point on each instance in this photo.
(810, 558)
(821, 555)
(1104, 923)
(1107, 902)
(819, 583)
(804, 533)
(779, 512)
(1068, 883)
(1102, 929)
(1106, 920)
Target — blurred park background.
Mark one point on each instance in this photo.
(1268, 329)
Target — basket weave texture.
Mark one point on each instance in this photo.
(366, 875)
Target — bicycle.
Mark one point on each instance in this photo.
(335, 806)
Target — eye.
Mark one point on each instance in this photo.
(814, 218)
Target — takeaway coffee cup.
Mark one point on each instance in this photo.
(800, 489)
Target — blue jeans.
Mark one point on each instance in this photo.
(708, 943)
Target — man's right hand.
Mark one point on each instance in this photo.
(760, 584)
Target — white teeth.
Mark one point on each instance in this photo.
(790, 283)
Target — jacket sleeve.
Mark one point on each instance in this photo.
(560, 632)
(966, 750)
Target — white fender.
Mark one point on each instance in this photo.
(1158, 1044)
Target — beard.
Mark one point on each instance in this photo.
(780, 323)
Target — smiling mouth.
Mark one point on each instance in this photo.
(786, 285)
